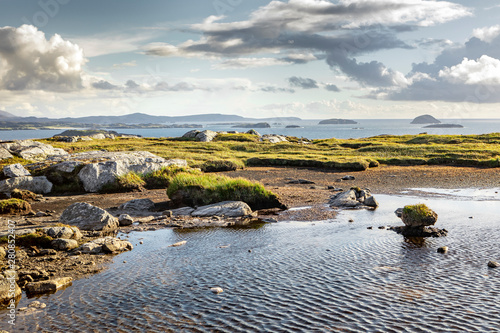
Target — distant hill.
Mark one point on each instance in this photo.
(336, 121)
(425, 119)
(4, 114)
(142, 118)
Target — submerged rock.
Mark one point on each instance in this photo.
(442, 249)
(88, 217)
(48, 286)
(493, 264)
(225, 208)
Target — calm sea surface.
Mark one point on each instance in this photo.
(309, 129)
(323, 276)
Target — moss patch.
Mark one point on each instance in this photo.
(198, 190)
(23, 195)
(14, 206)
(38, 239)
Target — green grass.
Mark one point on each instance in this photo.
(197, 190)
(14, 206)
(162, 178)
(349, 154)
(240, 137)
(129, 182)
(221, 165)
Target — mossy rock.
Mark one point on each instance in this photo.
(23, 195)
(14, 206)
(38, 239)
(418, 216)
(218, 166)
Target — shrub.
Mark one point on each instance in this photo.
(240, 137)
(196, 190)
(14, 206)
(219, 165)
(130, 182)
(161, 178)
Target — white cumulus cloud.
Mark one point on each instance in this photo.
(29, 61)
(487, 34)
(485, 70)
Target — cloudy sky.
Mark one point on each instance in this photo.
(257, 58)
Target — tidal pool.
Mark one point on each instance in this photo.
(321, 276)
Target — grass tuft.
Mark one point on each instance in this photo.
(14, 206)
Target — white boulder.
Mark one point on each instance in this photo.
(88, 217)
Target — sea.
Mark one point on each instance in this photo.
(309, 129)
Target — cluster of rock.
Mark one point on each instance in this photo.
(353, 198)
(29, 150)
(208, 135)
(225, 208)
(97, 136)
(20, 178)
(418, 225)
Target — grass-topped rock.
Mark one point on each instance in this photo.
(14, 206)
(198, 190)
(418, 216)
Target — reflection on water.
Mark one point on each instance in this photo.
(298, 277)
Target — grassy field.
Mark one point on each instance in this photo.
(351, 154)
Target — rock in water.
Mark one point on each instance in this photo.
(418, 216)
(5, 289)
(48, 286)
(442, 249)
(353, 198)
(88, 217)
(216, 290)
(493, 264)
(225, 208)
(105, 245)
(38, 185)
(15, 170)
(178, 244)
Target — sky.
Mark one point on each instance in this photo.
(313, 59)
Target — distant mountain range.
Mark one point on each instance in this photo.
(142, 118)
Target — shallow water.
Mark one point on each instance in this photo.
(299, 277)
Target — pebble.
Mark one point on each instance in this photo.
(493, 264)
(381, 227)
(442, 249)
(250, 251)
(141, 242)
(351, 220)
(216, 290)
(370, 228)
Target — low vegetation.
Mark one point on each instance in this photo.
(418, 213)
(14, 206)
(196, 190)
(38, 239)
(349, 154)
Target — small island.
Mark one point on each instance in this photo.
(444, 126)
(257, 125)
(336, 121)
(425, 119)
(293, 126)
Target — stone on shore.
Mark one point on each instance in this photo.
(138, 205)
(274, 138)
(418, 216)
(184, 211)
(95, 175)
(88, 217)
(15, 170)
(6, 284)
(125, 220)
(63, 232)
(353, 198)
(41, 287)
(105, 245)
(203, 136)
(38, 185)
(225, 208)
(64, 244)
(5, 154)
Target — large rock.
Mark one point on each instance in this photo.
(138, 205)
(105, 245)
(225, 208)
(418, 216)
(32, 150)
(63, 244)
(15, 170)
(48, 286)
(67, 166)
(88, 217)
(95, 175)
(274, 138)
(184, 211)
(206, 136)
(6, 285)
(5, 154)
(40, 185)
(353, 198)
